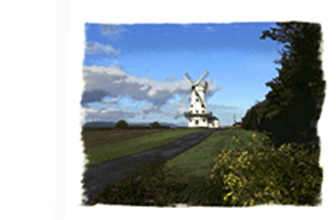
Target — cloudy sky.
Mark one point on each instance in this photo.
(135, 72)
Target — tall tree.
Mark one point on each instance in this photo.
(301, 70)
(299, 90)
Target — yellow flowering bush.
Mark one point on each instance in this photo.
(265, 175)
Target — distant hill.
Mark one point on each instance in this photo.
(99, 124)
(111, 124)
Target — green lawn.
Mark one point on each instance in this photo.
(105, 153)
(196, 162)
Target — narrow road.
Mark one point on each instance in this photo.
(99, 175)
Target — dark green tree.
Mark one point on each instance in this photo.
(121, 124)
(253, 116)
(155, 125)
(298, 92)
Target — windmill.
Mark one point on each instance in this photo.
(197, 115)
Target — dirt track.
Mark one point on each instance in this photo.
(99, 175)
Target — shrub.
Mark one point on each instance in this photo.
(265, 175)
(129, 191)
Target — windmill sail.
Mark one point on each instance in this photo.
(189, 79)
(185, 96)
(200, 79)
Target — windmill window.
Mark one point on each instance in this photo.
(203, 120)
(196, 111)
(190, 120)
(203, 106)
(191, 106)
(196, 100)
(203, 111)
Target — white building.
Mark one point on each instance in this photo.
(213, 122)
(197, 115)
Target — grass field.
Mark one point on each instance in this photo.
(186, 178)
(196, 162)
(99, 138)
(104, 153)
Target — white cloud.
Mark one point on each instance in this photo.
(150, 109)
(221, 107)
(107, 114)
(94, 48)
(104, 84)
(111, 101)
(175, 110)
(112, 81)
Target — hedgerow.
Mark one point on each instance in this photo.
(266, 175)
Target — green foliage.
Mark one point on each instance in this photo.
(264, 175)
(251, 121)
(137, 127)
(301, 76)
(121, 124)
(128, 192)
(155, 125)
(293, 106)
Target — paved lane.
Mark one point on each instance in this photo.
(99, 175)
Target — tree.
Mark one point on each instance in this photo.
(121, 124)
(301, 74)
(155, 125)
(252, 118)
(299, 90)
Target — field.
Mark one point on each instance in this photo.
(100, 138)
(189, 177)
(128, 144)
(196, 162)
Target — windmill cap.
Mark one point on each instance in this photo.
(212, 118)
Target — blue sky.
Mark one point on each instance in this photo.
(135, 72)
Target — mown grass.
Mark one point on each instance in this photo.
(112, 151)
(196, 162)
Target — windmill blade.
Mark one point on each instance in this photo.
(199, 80)
(189, 79)
(185, 96)
(199, 97)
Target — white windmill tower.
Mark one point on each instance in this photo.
(197, 115)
